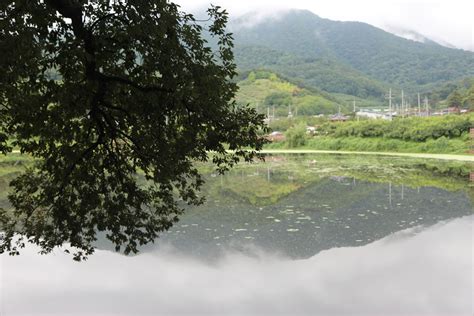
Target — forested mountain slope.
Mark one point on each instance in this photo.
(347, 57)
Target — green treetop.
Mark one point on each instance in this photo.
(455, 99)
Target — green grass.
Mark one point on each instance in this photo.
(378, 144)
(441, 135)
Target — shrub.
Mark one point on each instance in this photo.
(296, 136)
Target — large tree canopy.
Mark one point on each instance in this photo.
(116, 100)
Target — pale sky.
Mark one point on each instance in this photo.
(448, 21)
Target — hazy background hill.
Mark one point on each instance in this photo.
(351, 58)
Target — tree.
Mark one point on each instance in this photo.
(455, 99)
(116, 101)
(296, 135)
(469, 98)
(278, 99)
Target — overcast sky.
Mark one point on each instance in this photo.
(449, 21)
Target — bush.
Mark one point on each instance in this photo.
(296, 136)
(418, 129)
(441, 145)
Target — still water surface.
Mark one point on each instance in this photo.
(302, 235)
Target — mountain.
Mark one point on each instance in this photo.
(346, 57)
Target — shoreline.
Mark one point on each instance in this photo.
(466, 158)
(452, 157)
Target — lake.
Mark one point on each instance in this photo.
(295, 235)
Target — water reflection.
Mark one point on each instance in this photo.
(298, 210)
(305, 235)
(413, 272)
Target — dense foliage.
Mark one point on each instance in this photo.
(103, 94)
(324, 73)
(416, 129)
(445, 134)
(296, 136)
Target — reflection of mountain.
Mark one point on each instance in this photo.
(324, 215)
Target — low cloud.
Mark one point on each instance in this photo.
(442, 21)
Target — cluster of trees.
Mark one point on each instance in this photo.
(462, 98)
(459, 93)
(416, 129)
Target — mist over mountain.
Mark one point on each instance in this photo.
(413, 35)
(345, 57)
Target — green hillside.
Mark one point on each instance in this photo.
(324, 73)
(267, 90)
(346, 57)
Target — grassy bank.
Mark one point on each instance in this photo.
(442, 145)
(442, 135)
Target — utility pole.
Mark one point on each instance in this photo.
(419, 105)
(389, 97)
(403, 103)
(354, 104)
(427, 107)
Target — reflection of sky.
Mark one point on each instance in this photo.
(428, 272)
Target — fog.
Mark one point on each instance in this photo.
(447, 22)
(414, 272)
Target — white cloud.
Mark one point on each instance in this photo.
(408, 273)
(446, 21)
